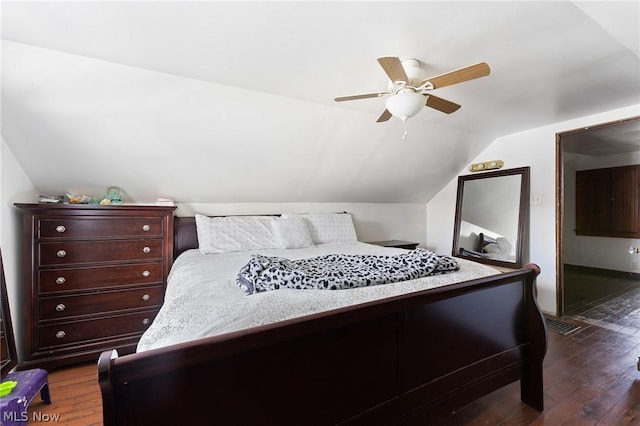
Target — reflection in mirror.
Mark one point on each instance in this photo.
(9, 357)
(491, 215)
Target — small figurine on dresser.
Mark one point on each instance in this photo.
(112, 196)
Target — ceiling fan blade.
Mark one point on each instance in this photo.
(394, 69)
(386, 115)
(441, 104)
(363, 96)
(458, 76)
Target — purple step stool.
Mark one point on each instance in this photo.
(13, 407)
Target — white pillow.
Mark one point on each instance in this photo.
(328, 227)
(235, 233)
(491, 248)
(504, 244)
(292, 232)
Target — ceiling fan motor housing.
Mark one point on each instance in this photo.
(415, 74)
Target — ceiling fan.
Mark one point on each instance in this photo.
(409, 89)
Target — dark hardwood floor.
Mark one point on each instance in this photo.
(75, 398)
(590, 378)
(600, 298)
(585, 288)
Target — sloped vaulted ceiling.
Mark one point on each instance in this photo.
(233, 101)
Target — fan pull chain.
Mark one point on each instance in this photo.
(405, 133)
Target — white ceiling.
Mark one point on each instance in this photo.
(609, 139)
(233, 101)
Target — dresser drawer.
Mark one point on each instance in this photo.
(97, 303)
(70, 252)
(97, 277)
(67, 333)
(99, 227)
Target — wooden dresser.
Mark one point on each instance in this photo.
(94, 278)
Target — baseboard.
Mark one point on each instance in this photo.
(601, 271)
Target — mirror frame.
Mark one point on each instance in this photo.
(6, 330)
(523, 214)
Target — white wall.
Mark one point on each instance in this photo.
(373, 221)
(534, 148)
(14, 187)
(596, 252)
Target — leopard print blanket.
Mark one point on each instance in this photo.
(340, 271)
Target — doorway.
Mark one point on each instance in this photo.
(588, 288)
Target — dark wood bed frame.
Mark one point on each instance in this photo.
(398, 361)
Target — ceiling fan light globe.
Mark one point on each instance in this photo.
(404, 105)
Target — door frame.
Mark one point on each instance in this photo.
(560, 203)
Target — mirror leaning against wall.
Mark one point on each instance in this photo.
(492, 210)
(8, 354)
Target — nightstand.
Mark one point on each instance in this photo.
(395, 243)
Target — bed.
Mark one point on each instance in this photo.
(496, 248)
(398, 354)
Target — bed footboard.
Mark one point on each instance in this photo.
(395, 361)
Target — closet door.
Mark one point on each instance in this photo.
(593, 201)
(608, 202)
(625, 199)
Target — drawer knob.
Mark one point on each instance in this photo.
(60, 334)
(60, 280)
(146, 297)
(60, 307)
(146, 249)
(145, 321)
(146, 228)
(60, 228)
(146, 273)
(61, 253)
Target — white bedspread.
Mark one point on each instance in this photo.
(202, 298)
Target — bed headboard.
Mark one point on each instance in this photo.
(185, 236)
